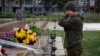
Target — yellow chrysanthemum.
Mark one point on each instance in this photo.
(20, 34)
(30, 36)
(26, 41)
(27, 36)
(29, 31)
(34, 34)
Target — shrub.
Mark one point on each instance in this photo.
(7, 15)
(28, 15)
(92, 17)
(34, 28)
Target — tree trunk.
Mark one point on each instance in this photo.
(20, 4)
(47, 7)
(98, 7)
(2, 5)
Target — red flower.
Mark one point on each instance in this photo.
(2, 51)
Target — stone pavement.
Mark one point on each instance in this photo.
(86, 26)
(47, 47)
(43, 44)
(41, 24)
(8, 26)
(59, 44)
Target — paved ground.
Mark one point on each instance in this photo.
(41, 24)
(60, 50)
(86, 27)
(43, 42)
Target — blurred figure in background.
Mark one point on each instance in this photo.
(19, 14)
(81, 12)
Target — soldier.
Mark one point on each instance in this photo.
(72, 23)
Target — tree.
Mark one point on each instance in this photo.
(20, 4)
(60, 3)
(98, 5)
(2, 4)
(47, 5)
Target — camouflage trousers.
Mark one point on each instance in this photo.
(75, 51)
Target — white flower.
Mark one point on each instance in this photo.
(15, 29)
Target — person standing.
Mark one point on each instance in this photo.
(72, 23)
(19, 14)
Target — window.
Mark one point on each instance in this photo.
(17, 2)
(28, 1)
(28, 10)
(35, 9)
(53, 9)
(39, 9)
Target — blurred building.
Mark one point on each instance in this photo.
(82, 3)
(86, 4)
(28, 6)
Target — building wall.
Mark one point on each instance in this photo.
(86, 5)
(28, 6)
(82, 3)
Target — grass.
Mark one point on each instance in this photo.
(92, 17)
(50, 17)
(89, 17)
(91, 42)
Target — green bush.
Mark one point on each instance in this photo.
(92, 17)
(28, 15)
(7, 15)
(34, 28)
(89, 17)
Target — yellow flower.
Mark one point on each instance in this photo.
(34, 34)
(26, 41)
(20, 33)
(30, 36)
(29, 31)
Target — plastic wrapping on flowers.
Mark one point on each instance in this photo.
(9, 36)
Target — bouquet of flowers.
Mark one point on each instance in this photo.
(25, 36)
(20, 35)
